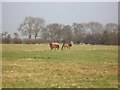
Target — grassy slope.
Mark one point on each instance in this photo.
(38, 66)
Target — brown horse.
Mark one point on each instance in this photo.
(54, 45)
(67, 46)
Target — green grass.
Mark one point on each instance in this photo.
(36, 66)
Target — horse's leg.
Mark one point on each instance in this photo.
(51, 48)
(58, 47)
(62, 46)
(68, 47)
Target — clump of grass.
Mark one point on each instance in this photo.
(32, 66)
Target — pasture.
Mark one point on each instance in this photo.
(36, 66)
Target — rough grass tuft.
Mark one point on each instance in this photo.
(36, 66)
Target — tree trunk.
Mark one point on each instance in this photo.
(35, 37)
(29, 39)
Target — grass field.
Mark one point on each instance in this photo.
(36, 66)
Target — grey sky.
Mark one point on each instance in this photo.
(13, 13)
(0, 17)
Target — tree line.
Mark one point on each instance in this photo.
(34, 30)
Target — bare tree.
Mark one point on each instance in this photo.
(8, 39)
(79, 30)
(54, 31)
(46, 35)
(95, 27)
(66, 33)
(111, 27)
(31, 26)
(16, 35)
(112, 31)
(38, 26)
(96, 31)
(4, 34)
(16, 38)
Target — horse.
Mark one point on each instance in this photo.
(54, 45)
(67, 46)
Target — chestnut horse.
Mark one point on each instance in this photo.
(67, 46)
(54, 45)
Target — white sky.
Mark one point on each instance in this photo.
(59, 0)
(65, 13)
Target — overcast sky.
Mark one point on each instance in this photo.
(13, 13)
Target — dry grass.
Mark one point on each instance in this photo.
(27, 73)
(64, 72)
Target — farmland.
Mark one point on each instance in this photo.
(82, 66)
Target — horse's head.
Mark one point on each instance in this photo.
(50, 44)
(70, 44)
